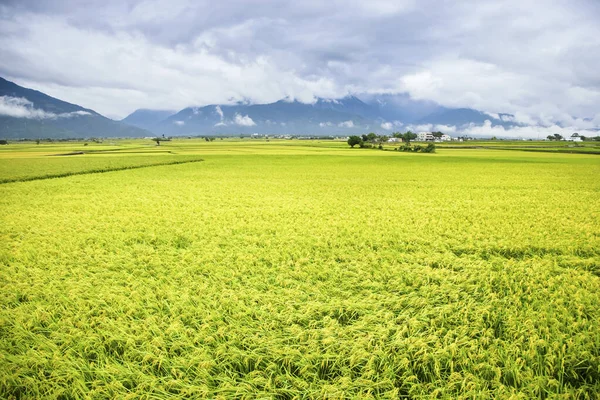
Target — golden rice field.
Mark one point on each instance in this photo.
(297, 270)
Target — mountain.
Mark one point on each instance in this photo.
(324, 117)
(147, 119)
(29, 114)
(464, 116)
(348, 115)
(400, 107)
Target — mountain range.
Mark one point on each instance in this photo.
(323, 117)
(27, 113)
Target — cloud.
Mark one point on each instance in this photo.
(243, 120)
(387, 126)
(526, 132)
(179, 123)
(487, 130)
(534, 58)
(346, 124)
(19, 107)
(221, 115)
(325, 124)
(219, 111)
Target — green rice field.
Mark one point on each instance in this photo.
(246, 269)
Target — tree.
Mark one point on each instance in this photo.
(558, 137)
(159, 139)
(430, 148)
(381, 139)
(371, 137)
(437, 134)
(550, 137)
(408, 136)
(355, 140)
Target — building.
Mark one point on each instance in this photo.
(575, 138)
(425, 137)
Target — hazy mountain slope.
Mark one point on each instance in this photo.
(30, 114)
(147, 119)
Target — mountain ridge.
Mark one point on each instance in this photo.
(30, 114)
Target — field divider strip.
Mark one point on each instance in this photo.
(94, 171)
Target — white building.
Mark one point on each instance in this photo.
(575, 138)
(425, 137)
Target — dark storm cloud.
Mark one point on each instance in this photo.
(536, 59)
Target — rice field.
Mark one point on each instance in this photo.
(298, 270)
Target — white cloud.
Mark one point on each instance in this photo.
(487, 129)
(19, 107)
(179, 123)
(346, 124)
(221, 115)
(526, 132)
(325, 124)
(537, 58)
(244, 120)
(219, 111)
(387, 125)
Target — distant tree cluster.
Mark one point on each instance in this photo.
(162, 138)
(408, 136)
(556, 136)
(430, 148)
(369, 140)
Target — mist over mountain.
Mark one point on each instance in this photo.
(29, 114)
(351, 114)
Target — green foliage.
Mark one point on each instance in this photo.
(408, 136)
(355, 140)
(252, 274)
(430, 148)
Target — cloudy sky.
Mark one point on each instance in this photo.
(538, 59)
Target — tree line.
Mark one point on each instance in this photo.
(370, 140)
